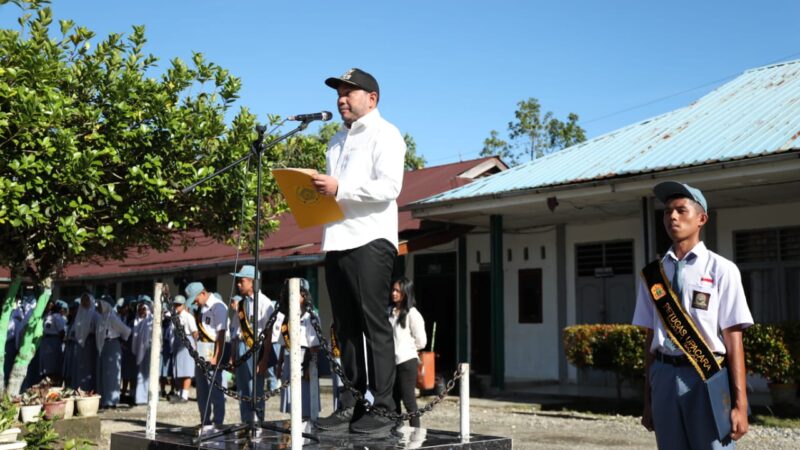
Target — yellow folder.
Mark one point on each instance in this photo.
(308, 206)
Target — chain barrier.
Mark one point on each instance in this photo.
(337, 368)
(209, 370)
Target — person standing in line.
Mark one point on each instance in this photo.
(211, 330)
(70, 344)
(708, 291)
(14, 324)
(309, 344)
(109, 331)
(127, 313)
(409, 338)
(365, 161)
(243, 338)
(141, 344)
(182, 360)
(51, 351)
(84, 363)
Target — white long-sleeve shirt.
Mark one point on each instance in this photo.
(367, 160)
(410, 339)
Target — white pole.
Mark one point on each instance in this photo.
(464, 400)
(155, 365)
(313, 376)
(295, 364)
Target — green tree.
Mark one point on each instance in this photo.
(95, 146)
(495, 146)
(534, 134)
(413, 161)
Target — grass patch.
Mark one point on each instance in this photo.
(775, 421)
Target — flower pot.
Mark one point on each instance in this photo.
(29, 413)
(54, 410)
(783, 394)
(69, 408)
(87, 406)
(10, 435)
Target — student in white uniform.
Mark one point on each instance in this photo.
(51, 351)
(109, 332)
(141, 344)
(244, 337)
(309, 344)
(82, 331)
(181, 359)
(409, 338)
(210, 344)
(708, 288)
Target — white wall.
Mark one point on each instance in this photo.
(753, 217)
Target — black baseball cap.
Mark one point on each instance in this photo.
(355, 77)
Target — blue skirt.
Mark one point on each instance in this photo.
(51, 355)
(182, 362)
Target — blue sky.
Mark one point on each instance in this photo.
(451, 71)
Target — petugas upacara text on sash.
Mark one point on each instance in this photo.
(682, 331)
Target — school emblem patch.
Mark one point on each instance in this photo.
(208, 320)
(658, 291)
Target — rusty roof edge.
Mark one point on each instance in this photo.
(788, 154)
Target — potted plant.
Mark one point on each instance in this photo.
(767, 355)
(8, 415)
(54, 405)
(30, 405)
(69, 394)
(87, 403)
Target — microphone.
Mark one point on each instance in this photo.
(324, 116)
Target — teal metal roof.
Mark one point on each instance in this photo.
(756, 114)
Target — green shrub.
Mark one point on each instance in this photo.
(613, 347)
(767, 354)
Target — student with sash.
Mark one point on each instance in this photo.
(243, 338)
(212, 323)
(309, 344)
(110, 330)
(693, 305)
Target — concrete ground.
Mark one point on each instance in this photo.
(531, 424)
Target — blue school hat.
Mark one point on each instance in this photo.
(667, 189)
(193, 289)
(179, 300)
(245, 272)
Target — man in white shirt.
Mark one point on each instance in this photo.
(365, 174)
(709, 289)
(211, 341)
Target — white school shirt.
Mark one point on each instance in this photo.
(265, 308)
(367, 160)
(189, 324)
(214, 316)
(410, 339)
(705, 273)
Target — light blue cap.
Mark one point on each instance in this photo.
(667, 189)
(192, 290)
(62, 304)
(245, 272)
(179, 300)
(145, 298)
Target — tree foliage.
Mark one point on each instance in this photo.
(533, 134)
(95, 147)
(412, 160)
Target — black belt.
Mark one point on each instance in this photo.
(681, 360)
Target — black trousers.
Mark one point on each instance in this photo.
(404, 386)
(359, 284)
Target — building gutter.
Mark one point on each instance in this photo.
(421, 210)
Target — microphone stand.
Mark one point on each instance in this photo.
(258, 147)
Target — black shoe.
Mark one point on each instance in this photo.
(371, 423)
(339, 420)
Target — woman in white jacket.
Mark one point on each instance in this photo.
(409, 338)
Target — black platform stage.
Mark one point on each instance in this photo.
(405, 437)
